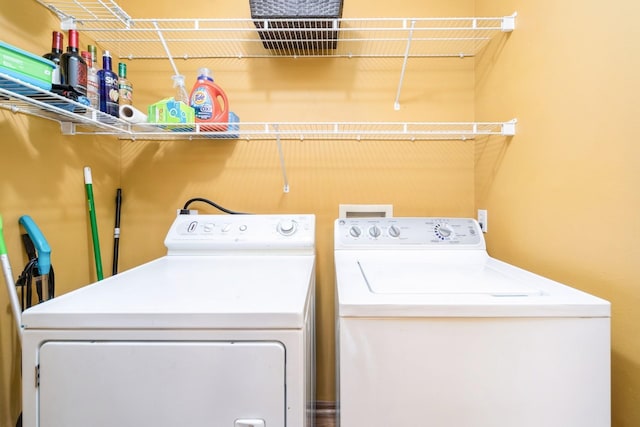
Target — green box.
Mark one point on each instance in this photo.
(170, 111)
(26, 67)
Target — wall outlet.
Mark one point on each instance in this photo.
(482, 220)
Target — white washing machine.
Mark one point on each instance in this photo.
(432, 331)
(219, 332)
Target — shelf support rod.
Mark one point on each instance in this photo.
(281, 155)
(166, 48)
(396, 105)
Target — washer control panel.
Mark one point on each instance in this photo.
(191, 234)
(408, 232)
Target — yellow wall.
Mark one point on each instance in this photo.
(539, 187)
(563, 195)
(41, 175)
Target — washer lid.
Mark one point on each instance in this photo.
(189, 292)
(429, 277)
(445, 284)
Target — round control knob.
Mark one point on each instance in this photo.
(287, 227)
(355, 231)
(444, 232)
(374, 231)
(394, 231)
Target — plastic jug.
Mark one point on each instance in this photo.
(209, 102)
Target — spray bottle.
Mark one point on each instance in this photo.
(180, 91)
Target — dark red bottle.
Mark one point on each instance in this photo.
(54, 55)
(73, 68)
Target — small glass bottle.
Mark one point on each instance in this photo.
(125, 88)
(93, 88)
(55, 54)
(73, 69)
(108, 87)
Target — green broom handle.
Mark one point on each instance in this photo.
(88, 181)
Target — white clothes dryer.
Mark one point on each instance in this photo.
(432, 331)
(219, 332)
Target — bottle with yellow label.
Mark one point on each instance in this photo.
(125, 88)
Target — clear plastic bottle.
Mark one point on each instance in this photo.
(180, 91)
(93, 88)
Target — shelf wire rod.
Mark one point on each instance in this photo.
(281, 155)
(84, 9)
(117, 11)
(166, 48)
(396, 105)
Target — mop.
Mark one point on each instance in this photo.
(11, 285)
(39, 266)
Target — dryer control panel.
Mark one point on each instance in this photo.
(207, 234)
(402, 232)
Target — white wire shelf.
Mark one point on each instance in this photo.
(77, 119)
(114, 30)
(355, 131)
(21, 97)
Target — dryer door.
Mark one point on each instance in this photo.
(161, 384)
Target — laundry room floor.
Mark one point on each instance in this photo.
(325, 422)
(325, 414)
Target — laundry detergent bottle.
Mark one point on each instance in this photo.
(209, 102)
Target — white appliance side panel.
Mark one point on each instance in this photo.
(474, 372)
(161, 384)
